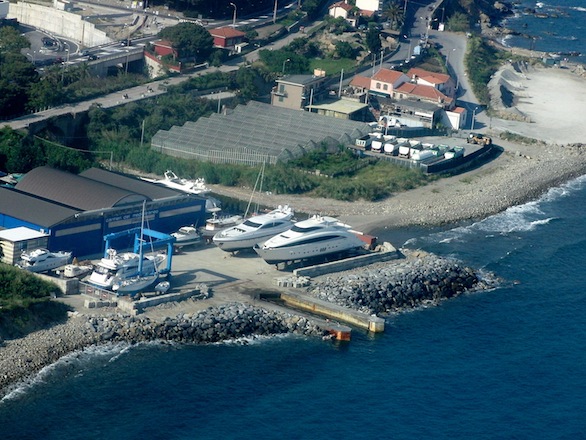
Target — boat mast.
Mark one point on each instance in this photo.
(141, 238)
(259, 181)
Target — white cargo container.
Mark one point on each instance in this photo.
(422, 155)
(377, 146)
(390, 148)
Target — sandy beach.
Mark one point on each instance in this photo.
(551, 101)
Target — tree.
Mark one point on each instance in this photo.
(190, 40)
(373, 39)
(11, 41)
(394, 14)
(344, 49)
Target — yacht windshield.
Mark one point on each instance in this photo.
(252, 224)
(305, 230)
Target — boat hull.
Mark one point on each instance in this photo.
(233, 244)
(303, 252)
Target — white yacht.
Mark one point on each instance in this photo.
(115, 268)
(255, 229)
(315, 237)
(43, 260)
(171, 180)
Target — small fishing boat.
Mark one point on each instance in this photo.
(187, 236)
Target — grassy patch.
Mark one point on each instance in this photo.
(332, 66)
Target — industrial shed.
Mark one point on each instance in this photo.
(255, 133)
(77, 211)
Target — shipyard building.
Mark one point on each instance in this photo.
(75, 212)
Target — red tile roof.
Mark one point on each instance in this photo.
(429, 93)
(342, 5)
(430, 77)
(387, 76)
(226, 32)
(360, 81)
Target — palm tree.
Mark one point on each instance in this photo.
(394, 14)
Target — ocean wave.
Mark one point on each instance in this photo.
(72, 363)
(578, 8)
(254, 339)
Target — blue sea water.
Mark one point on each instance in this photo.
(557, 26)
(508, 363)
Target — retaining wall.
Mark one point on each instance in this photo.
(58, 22)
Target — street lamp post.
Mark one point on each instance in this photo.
(284, 62)
(275, 13)
(233, 16)
(448, 56)
(474, 116)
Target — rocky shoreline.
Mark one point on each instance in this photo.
(382, 288)
(22, 358)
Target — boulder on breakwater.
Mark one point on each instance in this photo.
(397, 285)
(214, 324)
(21, 358)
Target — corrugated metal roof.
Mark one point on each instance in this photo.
(130, 183)
(75, 191)
(33, 209)
(21, 233)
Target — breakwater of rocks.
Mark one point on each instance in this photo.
(398, 285)
(24, 357)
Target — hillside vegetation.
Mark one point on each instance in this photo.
(25, 303)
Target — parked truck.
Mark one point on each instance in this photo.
(480, 139)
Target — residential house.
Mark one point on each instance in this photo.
(439, 81)
(164, 47)
(425, 93)
(385, 81)
(343, 9)
(227, 37)
(298, 91)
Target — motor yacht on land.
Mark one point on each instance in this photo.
(116, 268)
(187, 236)
(171, 180)
(315, 237)
(42, 260)
(255, 229)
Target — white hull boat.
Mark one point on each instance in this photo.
(135, 284)
(315, 237)
(219, 223)
(171, 180)
(119, 267)
(42, 260)
(254, 230)
(187, 236)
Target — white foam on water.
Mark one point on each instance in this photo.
(76, 360)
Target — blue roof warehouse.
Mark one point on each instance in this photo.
(76, 211)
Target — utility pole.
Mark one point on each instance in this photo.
(275, 13)
(341, 79)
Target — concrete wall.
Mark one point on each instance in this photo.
(58, 22)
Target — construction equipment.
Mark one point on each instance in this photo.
(477, 138)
